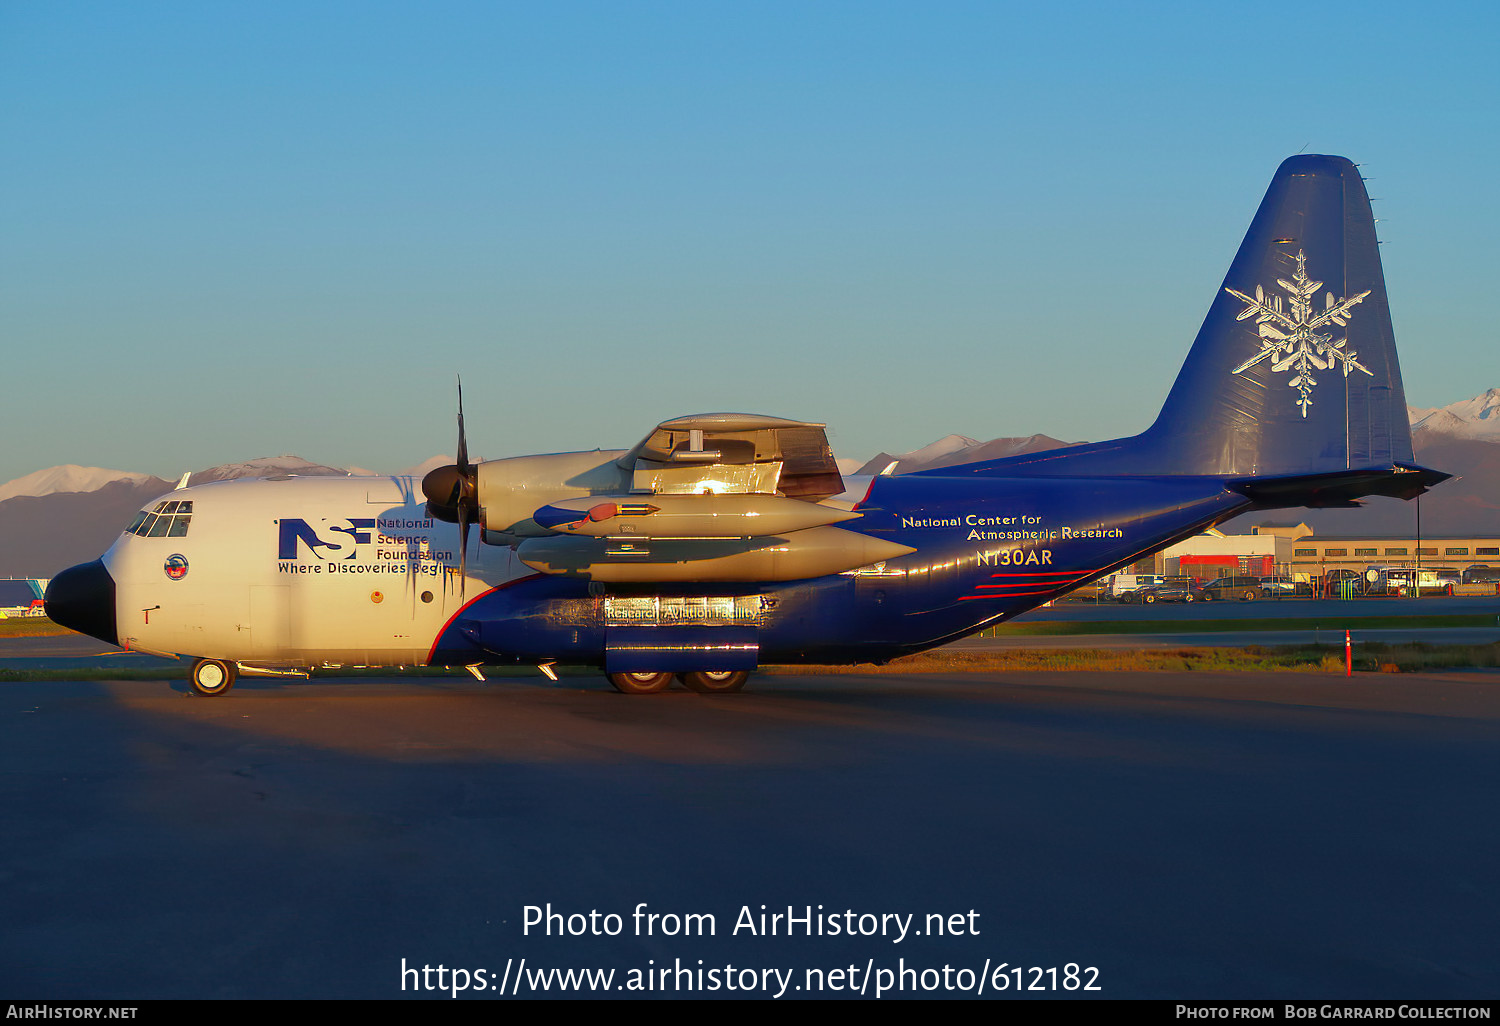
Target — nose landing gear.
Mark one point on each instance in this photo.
(212, 676)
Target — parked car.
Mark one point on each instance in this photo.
(1246, 589)
(1398, 580)
(1285, 587)
(1343, 583)
(1482, 575)
(1172, 591)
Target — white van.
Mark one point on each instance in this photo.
(1387, 579)
(1119, 584)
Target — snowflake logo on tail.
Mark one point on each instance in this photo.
(1289, 335)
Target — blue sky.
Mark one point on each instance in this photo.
(233, 230)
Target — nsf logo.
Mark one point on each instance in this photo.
(176, 566)
(336, 540)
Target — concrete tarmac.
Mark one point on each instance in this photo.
(1181, 835)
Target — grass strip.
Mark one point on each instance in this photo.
(30, 627)
(1052, 628)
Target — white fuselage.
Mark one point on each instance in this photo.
(300, 571)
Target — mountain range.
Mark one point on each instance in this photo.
(64, 515)
(1477, 418)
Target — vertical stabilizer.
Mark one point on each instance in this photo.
(1294, 370)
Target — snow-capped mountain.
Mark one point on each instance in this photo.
(68, 478)
(266, 466)
(945, 446)
(54, 518)
(1478, 417)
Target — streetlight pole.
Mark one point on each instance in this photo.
(1418, 582)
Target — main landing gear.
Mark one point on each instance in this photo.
(212, 676)
(714, 682)
(640, 683)
(705, 682)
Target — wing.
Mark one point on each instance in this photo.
(735, 452)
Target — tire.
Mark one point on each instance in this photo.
(714, 682)
(1149, 599)
(212, 676)
(1208, 596)
(1187, 598)
(1249, 595)
(640, 683)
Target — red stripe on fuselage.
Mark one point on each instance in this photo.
(459, 612)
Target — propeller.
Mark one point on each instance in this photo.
(453, 493)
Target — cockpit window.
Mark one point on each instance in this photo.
(166, 520)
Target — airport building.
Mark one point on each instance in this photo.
(1317, 556)
(1292, 549)
(22, 596)
(1216, 554)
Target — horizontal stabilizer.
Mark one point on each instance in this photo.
(1341, 488)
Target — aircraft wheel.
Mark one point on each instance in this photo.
(212, 676)
(714, 682)
(640, 683)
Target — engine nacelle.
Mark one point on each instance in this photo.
(800, 554)
(686, 516)
(511, 490)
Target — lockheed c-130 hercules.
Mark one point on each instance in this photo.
(725, 541)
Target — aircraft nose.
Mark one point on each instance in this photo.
(82, 598)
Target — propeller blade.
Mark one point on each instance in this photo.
(463, 552)
(454, 489)
(453, 493)
(463, 441)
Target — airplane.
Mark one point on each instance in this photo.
(723, 542)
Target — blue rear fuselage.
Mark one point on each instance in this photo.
(987, 548)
